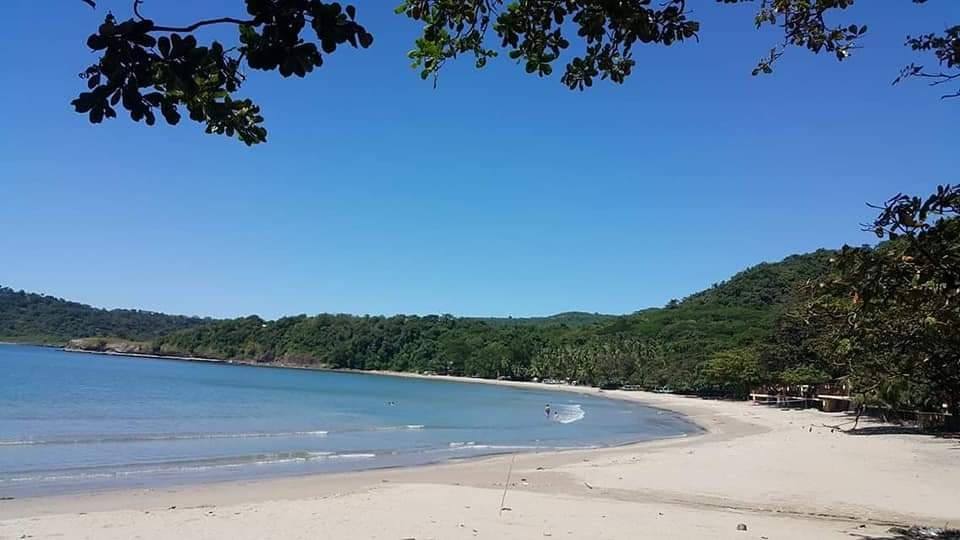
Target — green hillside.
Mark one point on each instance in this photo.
(568, 318)
(40, 319)
(653, 347)
(766, 284)
(737, 314)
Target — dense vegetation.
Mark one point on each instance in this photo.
(888, 318)
(667, 346)
(738, 316)
(659, 347)
(36, 318)
(569, 318)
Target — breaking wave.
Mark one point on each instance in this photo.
(568, 414)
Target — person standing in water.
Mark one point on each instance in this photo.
(546, 411)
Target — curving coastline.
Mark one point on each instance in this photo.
(784, 474)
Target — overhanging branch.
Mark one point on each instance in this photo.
(199, 24)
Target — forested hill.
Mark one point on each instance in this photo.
(42, 319)
(655, 347)
(737, 315)
(765, 284)
(568, 318)
(36, 318)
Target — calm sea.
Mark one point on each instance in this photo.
(72, 422)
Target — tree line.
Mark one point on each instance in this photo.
(682, 346)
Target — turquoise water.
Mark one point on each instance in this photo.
(72, 422)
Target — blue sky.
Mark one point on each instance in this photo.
(497, 193)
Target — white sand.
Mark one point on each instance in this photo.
(779, 472)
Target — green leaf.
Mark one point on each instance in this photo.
(96, 42)
(366, 39)
(164, 45)
(248, 35)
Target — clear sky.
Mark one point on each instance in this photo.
(497, 193)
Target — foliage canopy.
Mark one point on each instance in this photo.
(151, 69)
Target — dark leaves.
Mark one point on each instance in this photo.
(534, 30)
(534, 33)
(366, 39)
(94, 104)
(804, 24)
(898, 323)
(97, 42)
(903, 214)
(145, 73)
(164, 45)
(946, 49)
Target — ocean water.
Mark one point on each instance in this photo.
(75, 422)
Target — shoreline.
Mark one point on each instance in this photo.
(692, 428)
(288, 485)
(565, 387)
(784, 473)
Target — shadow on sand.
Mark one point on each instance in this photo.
(902, 430)
(872, 425)
(917, 533)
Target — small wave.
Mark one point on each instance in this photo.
(160, 437)
(568, 414)
(461, 444)
(407, 427)
(147, 437)
(187, 467)
(471, 445)
(506, 447)
(18, 443)
(353, 456)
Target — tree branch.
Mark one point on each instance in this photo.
(136, 9)
(198, 24)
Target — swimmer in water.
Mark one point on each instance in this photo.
(546, 410)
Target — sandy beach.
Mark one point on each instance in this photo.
(783, 474)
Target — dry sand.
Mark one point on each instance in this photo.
(781, 473)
